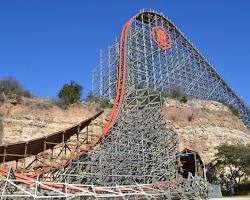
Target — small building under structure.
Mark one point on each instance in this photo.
(190, 162)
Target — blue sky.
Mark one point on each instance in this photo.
(45, 44)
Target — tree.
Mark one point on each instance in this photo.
(70, 93)
(233, 163)
(10, 88)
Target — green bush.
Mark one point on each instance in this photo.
(165, 95)
(91, 97)
(105, 103)
(70, 93)
(234, 111)
(2, 98)
(102, 102)
(11, 89)
(183, 99)
(176, 93)
(222, 101)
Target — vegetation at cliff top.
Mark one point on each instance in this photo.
(11, 89)
(176, 92)
(70, 93)
(103, 102)
(234, 111)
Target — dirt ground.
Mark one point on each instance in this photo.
(233, 198)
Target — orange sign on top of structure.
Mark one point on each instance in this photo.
(161, 38)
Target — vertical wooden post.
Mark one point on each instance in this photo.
(87, 134)
(4, 155)
(204, 171)
(63, 149)
(195, 163)
(51, 160)
(44, 149)
(77, 143)
(16, 164)
(25, 155)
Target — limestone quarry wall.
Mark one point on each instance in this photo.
(38, 117)
(201, 125)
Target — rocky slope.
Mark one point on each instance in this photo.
(38, 117)
(201, 125)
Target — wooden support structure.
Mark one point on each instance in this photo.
(52, 151)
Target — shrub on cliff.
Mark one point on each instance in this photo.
(177, 93)
(70, 93)
(11, 89)
(101, 101)
(234, 111)
(91, 97)
(183, 99)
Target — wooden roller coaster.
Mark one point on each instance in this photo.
(136, 155)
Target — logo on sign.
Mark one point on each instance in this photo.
(161, 38)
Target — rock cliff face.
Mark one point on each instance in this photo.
(38, 117)
(201, 125)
